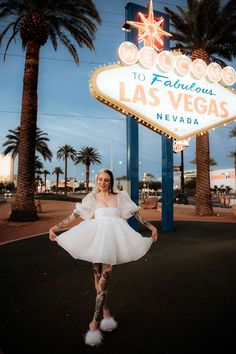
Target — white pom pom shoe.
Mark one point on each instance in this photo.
(93, 338)
(108, 324)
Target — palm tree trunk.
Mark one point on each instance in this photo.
(87, 178)
(235, 174)
(57, 181)
(45, 180)
(24, 207)
(65, 175)
(203, 194)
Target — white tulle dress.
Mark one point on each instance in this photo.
(104, 236)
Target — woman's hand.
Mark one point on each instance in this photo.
(148, 225)
(52, 234)
(154, 236)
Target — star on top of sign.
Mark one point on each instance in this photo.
(150, 31)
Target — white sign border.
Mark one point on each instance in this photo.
(126, 110)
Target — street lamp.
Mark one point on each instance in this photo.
(93, 176)
(144, 180)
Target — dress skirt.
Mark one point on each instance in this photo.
(107, 239)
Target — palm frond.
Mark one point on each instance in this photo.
(88, 155)
(71, 22)
(41, 147)
(232, 133)
(66, 151)
(207, 25)
(67, 43)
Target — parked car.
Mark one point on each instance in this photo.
(181, 198)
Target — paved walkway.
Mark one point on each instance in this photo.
(179, 298)
(55, 211)
(169, 301)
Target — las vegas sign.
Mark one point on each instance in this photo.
(168, 93)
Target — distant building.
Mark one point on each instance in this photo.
(6, 168)
(223, 177)
(188, 174)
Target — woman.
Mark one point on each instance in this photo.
(105, 239)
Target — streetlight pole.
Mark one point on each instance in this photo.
(182, 171)
(132, 140)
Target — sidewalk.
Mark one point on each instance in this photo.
(55, 211)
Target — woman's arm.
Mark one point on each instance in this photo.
(61, 225)
(148, 225)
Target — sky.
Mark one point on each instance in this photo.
(70, 115)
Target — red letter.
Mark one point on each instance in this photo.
(122, 92)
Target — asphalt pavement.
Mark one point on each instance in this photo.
(179, 298)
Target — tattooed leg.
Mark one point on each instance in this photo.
(97, 271)
(102, 291)
(106, 311)
(97, 268)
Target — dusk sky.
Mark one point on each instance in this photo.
(70, 115)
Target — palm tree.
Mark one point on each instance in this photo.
(45, 173)
(148, 177)
(212, 162)
(57, 171)
(87, 156)
(66, 152)
(233, 155)
(232, 134)
(36, 22)
(38, 166)
(41, 146)
(12, 144)
(205, 30)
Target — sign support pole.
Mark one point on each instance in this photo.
(182, 171)
(131, 11)
(132, 131)
(167, 223)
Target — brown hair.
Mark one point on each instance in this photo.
(109, 172)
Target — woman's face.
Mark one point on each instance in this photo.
(103, 181)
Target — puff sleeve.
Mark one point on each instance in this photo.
(86, 208)
(126, 205)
